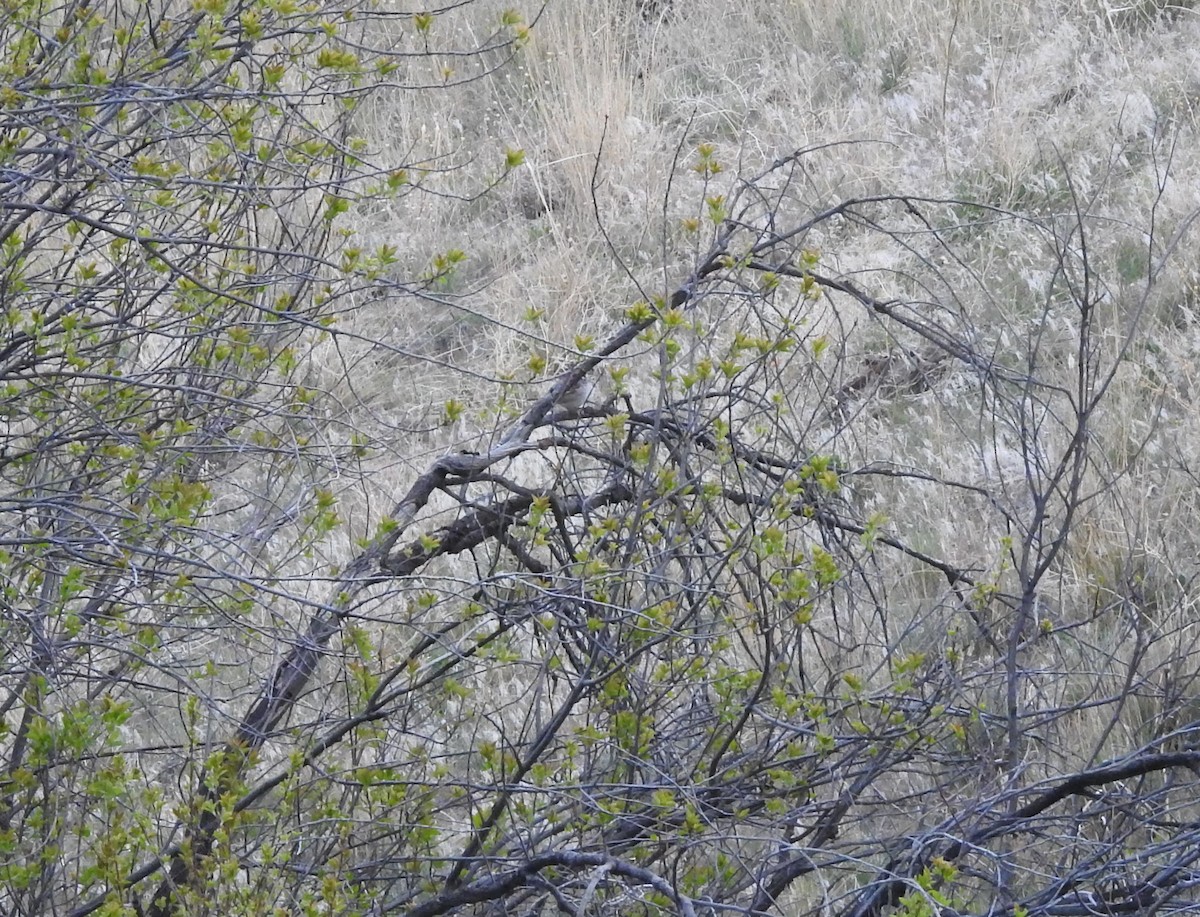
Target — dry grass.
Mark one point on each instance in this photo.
(1043, 108)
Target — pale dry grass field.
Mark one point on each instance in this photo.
(1036, 107)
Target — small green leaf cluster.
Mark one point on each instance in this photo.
(932, 892)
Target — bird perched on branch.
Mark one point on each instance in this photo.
(578, 394)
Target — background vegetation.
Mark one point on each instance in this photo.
(625, 458)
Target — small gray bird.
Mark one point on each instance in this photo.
(578, 394)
